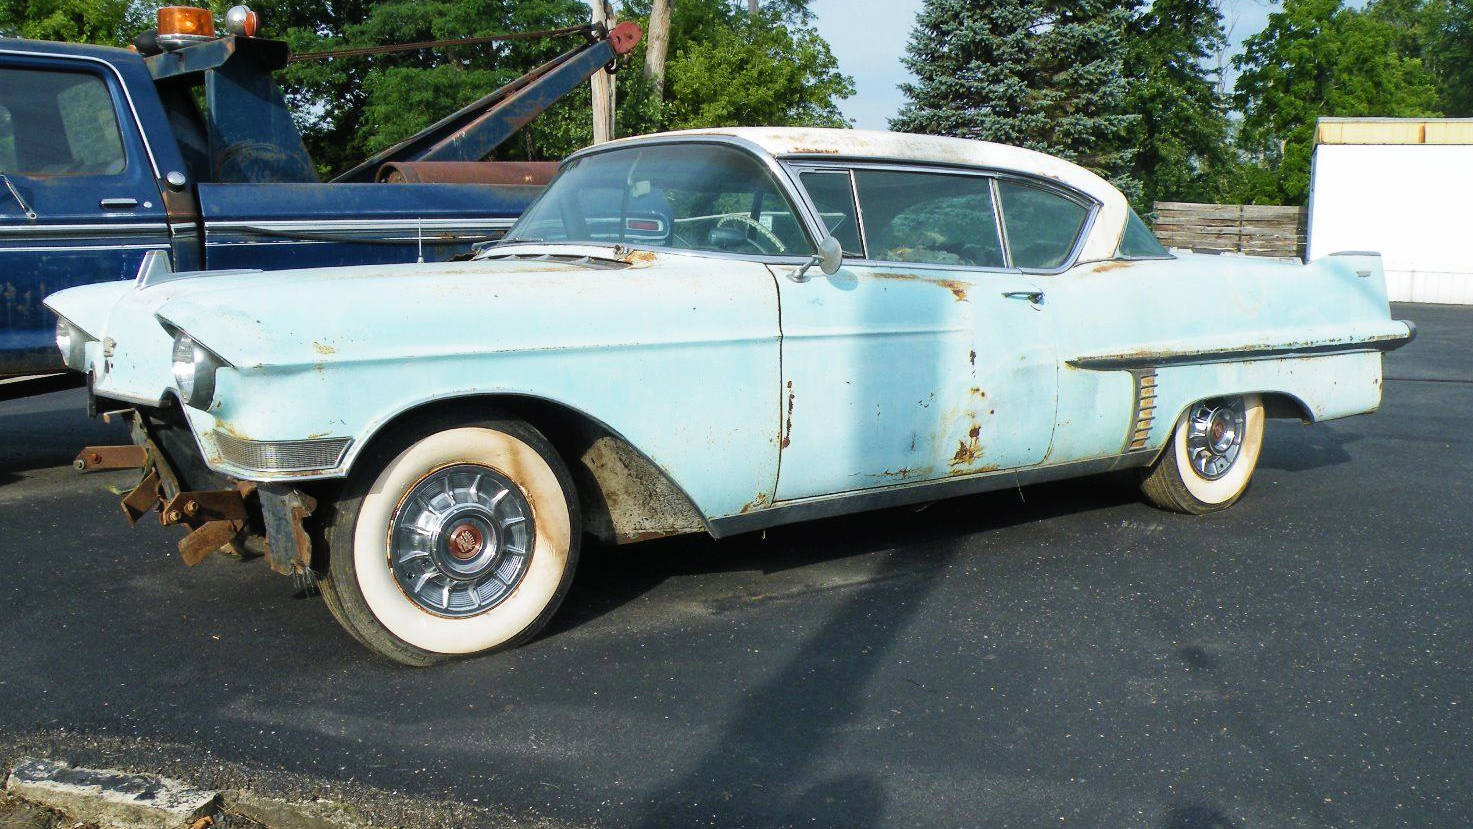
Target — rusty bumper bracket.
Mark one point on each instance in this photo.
(285, 511)
(143, 498)
(97, 458)
(215, 517)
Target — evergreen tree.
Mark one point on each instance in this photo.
(1043, 74)
(1183, 149)
(1317, 58)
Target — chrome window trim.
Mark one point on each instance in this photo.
(1089, 203)
(153, 162)
(853, 199)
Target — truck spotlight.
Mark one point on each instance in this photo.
(241, 21)
(180, 26)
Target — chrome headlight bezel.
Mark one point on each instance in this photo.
(194, 368)
(72, 341)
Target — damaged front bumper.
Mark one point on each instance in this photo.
(218, 512)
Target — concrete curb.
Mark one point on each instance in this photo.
(113, 798)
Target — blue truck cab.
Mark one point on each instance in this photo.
(106, 155)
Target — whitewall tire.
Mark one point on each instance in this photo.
(1211, 458)
(452, 540)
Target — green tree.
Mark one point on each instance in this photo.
(1317, 58)
(1043, 74)
(1183, 148)
(728, 67)
(1448, 51)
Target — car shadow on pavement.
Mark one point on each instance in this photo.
(1290, 447)
(768, 761)
(610, 577)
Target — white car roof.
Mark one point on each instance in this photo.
(1104, 235)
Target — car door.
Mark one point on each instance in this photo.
(79, 202)
(924, 356)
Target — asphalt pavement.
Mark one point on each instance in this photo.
(1060, 655)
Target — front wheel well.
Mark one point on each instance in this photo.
(623, 495)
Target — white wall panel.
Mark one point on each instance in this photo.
(1413, 203)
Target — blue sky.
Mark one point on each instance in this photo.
(868, 38)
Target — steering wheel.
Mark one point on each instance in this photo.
(774, 244)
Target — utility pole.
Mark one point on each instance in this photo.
(657, 42)
(603, 83)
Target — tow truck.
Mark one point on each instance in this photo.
(109, 165)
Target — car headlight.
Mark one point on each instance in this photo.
(71, 341)
(194, 371)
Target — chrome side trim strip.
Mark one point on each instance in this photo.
(1152, 359)
(65, 248)
(320, 225)
(43, 230)
(789, 512)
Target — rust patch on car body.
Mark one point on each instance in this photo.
(815, 151)
(323, 348)
(1112, 265)
(958, 288)
(762, 500)
(636, 258)
(788, 419)
(968, 451)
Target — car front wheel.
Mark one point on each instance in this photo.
(1213, 452)
(452, 540)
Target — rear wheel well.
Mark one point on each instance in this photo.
(623, 496)
(1279, 404)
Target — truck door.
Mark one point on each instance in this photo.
(79, 202)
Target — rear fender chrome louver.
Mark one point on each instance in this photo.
(1144, 416)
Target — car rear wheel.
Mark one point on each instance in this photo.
(1213, 452)
(452, 540)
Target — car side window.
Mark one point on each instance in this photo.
(1042, 225)
(929, 218)
(832, 192)
(1138, 242)
(60, 124)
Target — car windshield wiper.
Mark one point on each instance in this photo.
(15, 194)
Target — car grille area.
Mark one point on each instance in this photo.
(279, 455)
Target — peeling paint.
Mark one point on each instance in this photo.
(788, 421)
(323, 348)
(762, 500)
(968, 451)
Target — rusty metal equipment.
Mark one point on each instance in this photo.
(215, 518)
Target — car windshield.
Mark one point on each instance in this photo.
(701, 197)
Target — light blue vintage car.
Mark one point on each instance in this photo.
(713, 331)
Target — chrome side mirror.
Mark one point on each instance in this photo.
(829, 258)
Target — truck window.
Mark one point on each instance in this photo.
(60, 124)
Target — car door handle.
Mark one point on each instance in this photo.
(1035, 297)
(118, 204)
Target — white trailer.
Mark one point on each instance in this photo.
(1401, 187)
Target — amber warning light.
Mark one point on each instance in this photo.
(186, 21)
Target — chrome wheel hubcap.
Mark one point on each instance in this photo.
(461, 540)
(1215, 436)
